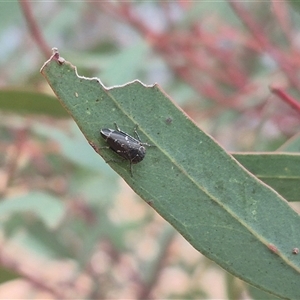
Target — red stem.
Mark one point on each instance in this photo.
(258, 33)
(286, 98)
(34, 28)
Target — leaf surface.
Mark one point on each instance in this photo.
(216, 204)
(281, 171)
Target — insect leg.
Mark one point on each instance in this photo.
(117, 127)
(131, 168)
(138, 137)
(136, 133)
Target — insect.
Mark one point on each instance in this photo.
(125, 145)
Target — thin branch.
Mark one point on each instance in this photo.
(164, 45)
(35, 281)
(34, 28)
(153, 272)
(258, 33)
(286, 98)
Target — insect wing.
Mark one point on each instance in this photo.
(123, 144)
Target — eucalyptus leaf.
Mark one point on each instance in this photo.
(291, 145)
(281, 171)
(213, 201)
(47, 208)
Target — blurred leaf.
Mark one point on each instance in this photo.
(292, 145)
(281, 171)
(7, 275)
(10, 13)
(217, 205)
(257, 294)
(49, 209)
(14, 224)
(125, 65)
(36, 233)
(295, 4)
(25, 102)
(45, 242)
(73, 146)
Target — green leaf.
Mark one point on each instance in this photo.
(25, 102)
(295, 4)
(281, 171)
(47, 208)
(216, 204)
(292, 145)
(45, 212)
(10, 15)
(257, 294)
(68, 142)
(7, 275)
(45, 242)
(126, 64)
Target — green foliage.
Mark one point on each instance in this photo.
(63, 204)
(220, 208)
(280, 171)
(7, 275)
(34, 203)
(295, 4)
(28, 102)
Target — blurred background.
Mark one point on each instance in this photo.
(70, 227)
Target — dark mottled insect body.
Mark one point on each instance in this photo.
(128, 147)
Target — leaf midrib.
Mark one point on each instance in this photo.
(183, 170)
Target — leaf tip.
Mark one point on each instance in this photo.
(55, 57)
